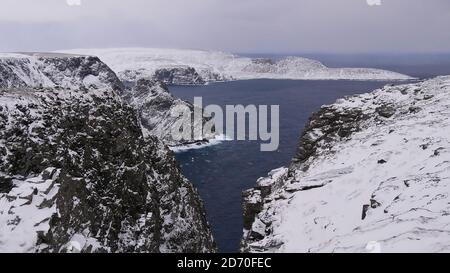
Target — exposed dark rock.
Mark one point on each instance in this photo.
(414, 109)
(5, 184)
(251, 206)
(365, 209)
(424, 146)
(179, 76)
(374, 204)
(326, 126)
(256, 236)
(437, 152)
(386, 111)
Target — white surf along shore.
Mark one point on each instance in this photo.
(218, 139)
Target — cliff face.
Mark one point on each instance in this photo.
(155, 104)
(169, 75)
(77, 174)
(371, 174)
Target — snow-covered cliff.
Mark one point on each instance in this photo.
(155, 103)
(372, 173)
(77, 173)
(177, 66)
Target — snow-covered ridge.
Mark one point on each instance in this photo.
(56, 70)
(179, 66)
(372, 173)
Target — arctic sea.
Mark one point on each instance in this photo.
(223, 171)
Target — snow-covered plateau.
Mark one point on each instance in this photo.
(182, 66)
(371, 174)
(77, 173)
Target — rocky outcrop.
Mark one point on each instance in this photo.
(78, 175)
(179, 76)
(371, 174)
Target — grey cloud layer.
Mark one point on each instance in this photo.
(231, 25)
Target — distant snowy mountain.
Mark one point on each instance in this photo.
(177, 66)
(372, 173)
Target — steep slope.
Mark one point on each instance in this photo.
(77, 174)
(155, 104)
(372, 173)
(177, 66)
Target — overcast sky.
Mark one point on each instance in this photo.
(259, 26)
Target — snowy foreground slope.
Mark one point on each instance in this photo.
(372, 173)
(178, 66)
(77, 173)
(151, 99)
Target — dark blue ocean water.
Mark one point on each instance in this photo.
(222, 172)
